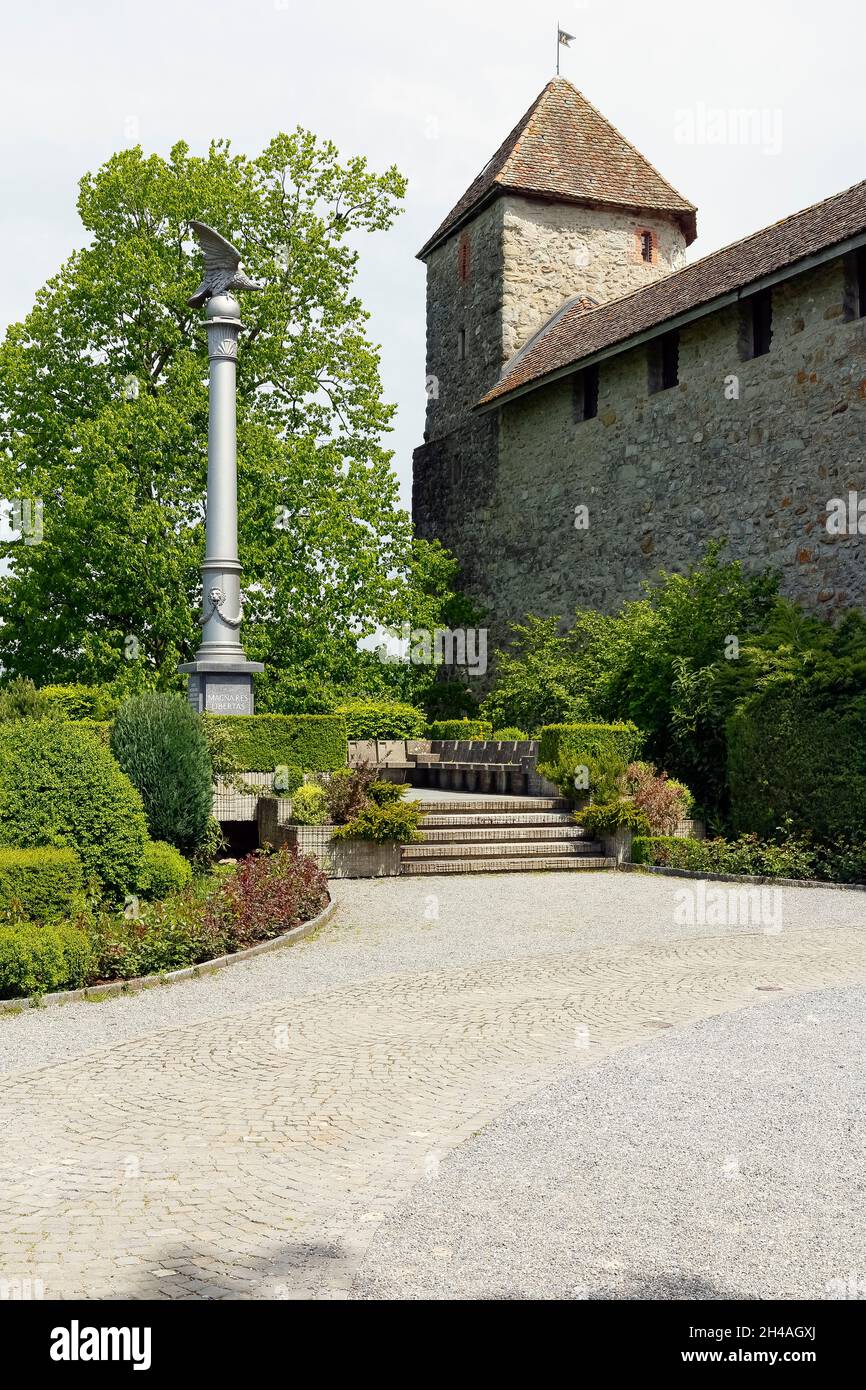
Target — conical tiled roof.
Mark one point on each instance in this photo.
(563, 148)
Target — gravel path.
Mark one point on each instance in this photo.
(406, 926)
(725, 1160)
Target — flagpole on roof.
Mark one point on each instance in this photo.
(558, 46)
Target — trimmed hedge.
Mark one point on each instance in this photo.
(264, 742)
(581, 742)
(165, 870)
(366, 719)
(460, 729)
(789, 757)
(60, 787)
(80, 701)
(40, 883)
(37, 959)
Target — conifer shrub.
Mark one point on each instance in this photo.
(159, 742)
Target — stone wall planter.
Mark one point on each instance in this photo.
(345, 858)
(338, 858)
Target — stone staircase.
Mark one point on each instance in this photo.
(513, 835)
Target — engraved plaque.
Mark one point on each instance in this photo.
(228, 694)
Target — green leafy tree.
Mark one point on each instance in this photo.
(103, 418)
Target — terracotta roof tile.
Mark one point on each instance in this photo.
(575, 332)
(563, 148)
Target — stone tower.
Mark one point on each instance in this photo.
(566, 208)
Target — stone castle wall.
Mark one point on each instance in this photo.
(662, 474)
(553, 251)
(471, 305)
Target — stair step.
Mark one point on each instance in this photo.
(543, 849)
(503, 806)
(480, 819)
(470, 835)
(503, 864)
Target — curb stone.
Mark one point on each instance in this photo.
(95, 993)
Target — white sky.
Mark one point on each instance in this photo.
(433, 86)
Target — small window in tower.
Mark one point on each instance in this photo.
(461, 344)
(758, 324)
(463, 258)
(646, 246)
(585, 394)
(664, 362)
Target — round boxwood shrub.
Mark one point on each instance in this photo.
(165, 870)
(40, 883)
(159, 742)
(60, 786)
(37, 959)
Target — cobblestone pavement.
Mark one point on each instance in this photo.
(254, 1154)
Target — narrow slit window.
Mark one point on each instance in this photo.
(585, 394)
(461, 344)
(664, 362)
(646, 246)
(762, 322)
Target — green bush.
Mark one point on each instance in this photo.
(40, 883)
(366, 719)
(60, 787)
(686, 798)
(36, 960)
(747, 855)
(506, 734)
(579, 743)
(397, 821)
(460, 728)
(100, 727)
(80, 702)
(384, 793)
(167, 935)
(792, 753)
(263, 742)
(615, 815)
(309, 805)
(287, 780)
(165, 870)
(19, 699)
(159, 742)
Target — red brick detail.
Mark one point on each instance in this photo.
(639, 235)
(463, 258)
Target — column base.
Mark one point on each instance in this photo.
(220, 688)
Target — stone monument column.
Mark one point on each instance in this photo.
(220, 677)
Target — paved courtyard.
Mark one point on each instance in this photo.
(536, 1054)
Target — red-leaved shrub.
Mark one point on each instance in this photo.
(662, 802)
(266, 896)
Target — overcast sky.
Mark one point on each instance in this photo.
(433, 86)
